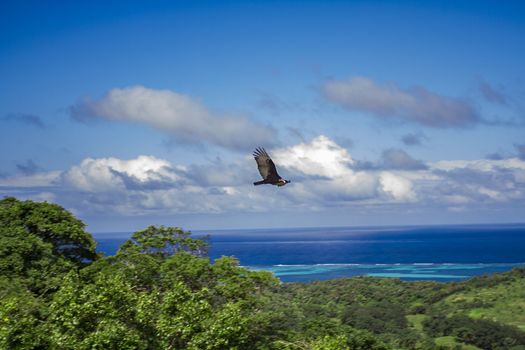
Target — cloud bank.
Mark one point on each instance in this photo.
(388, 101)
(180, 115)
(324, 175)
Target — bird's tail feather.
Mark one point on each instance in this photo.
(259, 183)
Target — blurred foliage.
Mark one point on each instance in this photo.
(161, 291)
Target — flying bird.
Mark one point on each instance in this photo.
(267, 169)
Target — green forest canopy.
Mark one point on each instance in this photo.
(161, 291)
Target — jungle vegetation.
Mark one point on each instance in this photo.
(161, 291)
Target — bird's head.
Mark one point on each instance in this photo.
(283, 182)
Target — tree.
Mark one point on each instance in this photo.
(159, 292)
(51, 223)
(163, 241)
(40, 243)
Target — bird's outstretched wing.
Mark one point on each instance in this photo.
(265, 165)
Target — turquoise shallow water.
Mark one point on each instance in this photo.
(428, 271)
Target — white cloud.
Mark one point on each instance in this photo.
(181, 115)
(481, 181)
(323, 174)
(328, 170)
(110, 174)
(399, 188)
(322, 157)
(416, 104)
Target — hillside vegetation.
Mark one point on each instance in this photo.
(161, 291)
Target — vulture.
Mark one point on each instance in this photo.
(267, 169)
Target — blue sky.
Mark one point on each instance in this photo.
(134, 113)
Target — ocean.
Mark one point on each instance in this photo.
(440, 253)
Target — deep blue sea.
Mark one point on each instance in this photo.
(441, 253)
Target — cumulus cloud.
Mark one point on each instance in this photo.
(112, 174)
(180, 115)
(323, 173)
(322, 156)
(333, 176)
(398, 187)
(480, 181)
(415, 104)
(147, 184)
(331, 173)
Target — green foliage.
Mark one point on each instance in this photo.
(97, 315)
(331, 343)
(485, 334)
(378, 317)
(188, 321)
(499, 297)
(450, 342)
(162, 242)
(384, 307)
(351, 340)
(161, 291)
(53, 224)
(22, 318)
(40, 243)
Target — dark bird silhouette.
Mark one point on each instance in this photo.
(267, 169)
